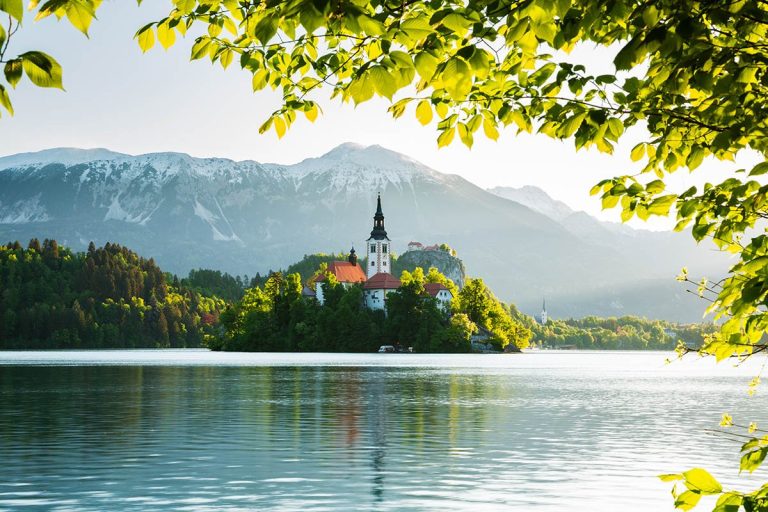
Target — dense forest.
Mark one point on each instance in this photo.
(277, 317)
(108, 297)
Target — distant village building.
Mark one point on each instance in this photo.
(441, 293)
(378, 287)
(346, 272)
(418, 246)
(415, 246)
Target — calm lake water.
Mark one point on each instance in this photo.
(194, 430)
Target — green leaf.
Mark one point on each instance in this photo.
(752, 460)
(416, 28)
(661, 205)
(572, 124)
(540, 75)
(311, 112)
(655, 187)
(609, 202)
(489, 128)
(13, 69)
(146, 38)
(5, 100)
(445, 138)
(371, 26)
(457, 78)
(481, 63)
(361, 89)
(759, 169)
(616, 127)
(13, 7)
(465, 134)
(729, 502)
(426, 65)
(383, 81)
(41, 69)
(200, 48)
(166, 35)
(266, 29)
(424, 112)
(695, 157)
(637, 152)
(225, 57)
(687, 500)
(698, 479)
(280, 127)
(80, 15)
(457, 23)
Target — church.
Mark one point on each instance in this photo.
(376, 279)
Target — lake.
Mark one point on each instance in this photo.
(195, 430)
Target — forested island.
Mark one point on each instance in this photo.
(110, 297)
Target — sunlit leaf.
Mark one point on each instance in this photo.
(424, 112)
(41, 69)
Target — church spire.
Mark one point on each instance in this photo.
(378, 233)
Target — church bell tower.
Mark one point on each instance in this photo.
(378, 245)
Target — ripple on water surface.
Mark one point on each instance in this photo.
(194, 430)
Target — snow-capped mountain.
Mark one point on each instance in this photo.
(247, 217)
(536, 199)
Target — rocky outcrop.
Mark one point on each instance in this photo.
(451, 266)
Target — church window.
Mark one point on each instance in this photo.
(384, 248)
(373, 263)
(373, 248)
(385, 263)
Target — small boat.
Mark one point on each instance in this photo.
(387, 349)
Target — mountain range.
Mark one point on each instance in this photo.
(248, 217)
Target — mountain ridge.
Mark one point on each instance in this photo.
(247, 217)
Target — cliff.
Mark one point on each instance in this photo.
(451, 266)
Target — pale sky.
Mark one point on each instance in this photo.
(120, 99)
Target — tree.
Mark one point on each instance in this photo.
(482, 308)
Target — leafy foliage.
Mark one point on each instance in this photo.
(485, 310)
(623, 333)
(106, 298)
(215, 283)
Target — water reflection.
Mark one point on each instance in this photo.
(378, 438)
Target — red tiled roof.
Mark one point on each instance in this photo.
(416, 243)
(434, 288)
(345, 272)
(382, 281)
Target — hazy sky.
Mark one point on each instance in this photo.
(118, 98)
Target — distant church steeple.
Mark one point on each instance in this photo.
(352, 256)
(544, 312)
(378, 233)
(378, 247)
